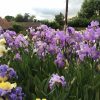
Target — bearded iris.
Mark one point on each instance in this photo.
(56, 79)
(87, 51)
(60, 60)
(5, 71)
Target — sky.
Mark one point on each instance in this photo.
(42, 9)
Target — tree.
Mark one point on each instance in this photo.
(9, 18)
(97, 7)
(19, 18)
(89, 9)
(31, 18)
(52, 24)
(26, 17)
(60, 19)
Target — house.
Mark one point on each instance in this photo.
(5, 24)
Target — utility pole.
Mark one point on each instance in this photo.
(66, 15)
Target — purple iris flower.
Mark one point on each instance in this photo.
(40, 48)
(87, 51)
(9, 39)
(17, 56)
(3, 92)
(16, 94)
(20, 41)
(13, 94)
(70, 30)
(11, 72)
(3, 70)
(60, 38)
(56, 79)
(94, 53)
(94, 23)
(84, 51)
(60, 60)
(6, 71)
(11, 33)
(53, 49)
(89, 35)
(97, 33)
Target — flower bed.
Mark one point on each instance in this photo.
(53, 64)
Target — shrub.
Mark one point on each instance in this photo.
(17, 28)
(78, 22)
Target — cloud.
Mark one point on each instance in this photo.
(74, 7)
(43, 9)
(47, 12)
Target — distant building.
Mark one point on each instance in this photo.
(5, 24)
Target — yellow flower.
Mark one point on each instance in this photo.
(2, 50)
(26, 37)
(3, 78)
(44, 99)
(1, 54)
(38, 99)
(1, 98)
(2, 47)
(7, 85)
(2, 41)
